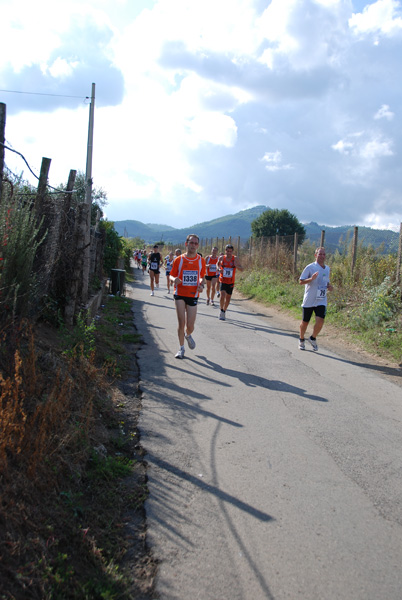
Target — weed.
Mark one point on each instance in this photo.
(80, 340)
(132, 338)
(109, 467)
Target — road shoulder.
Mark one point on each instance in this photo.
(335, 339)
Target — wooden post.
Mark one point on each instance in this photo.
(70, 186)
(354, 248)
(43, 177)
(322, 240)
(295, 245)
(2, 142)
(399, 260)
(276, 250)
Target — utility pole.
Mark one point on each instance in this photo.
(2, 141)
(87, 205)
(88, 175)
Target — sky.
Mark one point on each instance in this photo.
(206, 108)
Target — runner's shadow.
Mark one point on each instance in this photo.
(271, 330)
(251, 380)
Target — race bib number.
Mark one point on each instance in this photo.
(227, 272)
(190, 278)
(154, 266)
(321, 293)
(212, 268)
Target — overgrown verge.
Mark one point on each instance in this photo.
(367, 305)
(71, 473)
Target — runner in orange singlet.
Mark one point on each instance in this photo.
(227, 264)
(187, 275)
(212, 275)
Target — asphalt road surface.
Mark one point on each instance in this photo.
(273, 473)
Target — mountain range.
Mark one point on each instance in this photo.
(239, 225)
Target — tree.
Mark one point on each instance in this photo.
(99, 196)
(113, 247)
(277, 222)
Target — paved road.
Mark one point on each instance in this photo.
(273, 473)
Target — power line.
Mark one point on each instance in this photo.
(34, 174)
(43, 94)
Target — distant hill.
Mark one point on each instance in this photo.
(336, 236)
(235, 225)
(239, 224)
(133, 229)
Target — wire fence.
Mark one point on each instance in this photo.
(283, 252)
(68, 260)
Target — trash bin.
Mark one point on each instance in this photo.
(117, 280)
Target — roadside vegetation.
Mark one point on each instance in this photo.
(72, 477)
(366, 303)
(71, 468)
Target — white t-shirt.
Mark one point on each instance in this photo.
(315, 293)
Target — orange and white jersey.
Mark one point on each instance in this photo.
(227, 270)
(211, 264)
(191, 271)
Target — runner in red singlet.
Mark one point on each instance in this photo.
(212, 274)
(187, 275)
(227, 264)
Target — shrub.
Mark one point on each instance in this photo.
(19, 242)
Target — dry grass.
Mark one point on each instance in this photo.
(71, 474)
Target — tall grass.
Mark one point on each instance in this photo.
(366, 301)
(19, 241)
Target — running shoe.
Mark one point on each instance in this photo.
(152, 294)
(207, 301)
(222, 316)
(157, 286)
(218, 294)
(302, 345)
(212, 303)
(190, 342)
(180, 353)
(313, 343)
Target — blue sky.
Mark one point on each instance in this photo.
(207, 108)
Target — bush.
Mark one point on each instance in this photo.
(113, 246)
(19, 242)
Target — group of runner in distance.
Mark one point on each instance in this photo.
(190, 273)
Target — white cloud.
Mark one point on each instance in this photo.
(213, 128)
(190, 95)
(366, 146)
(376, 148)
(384, 113)
(382, 221)
(382, 17)
(273, 162)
